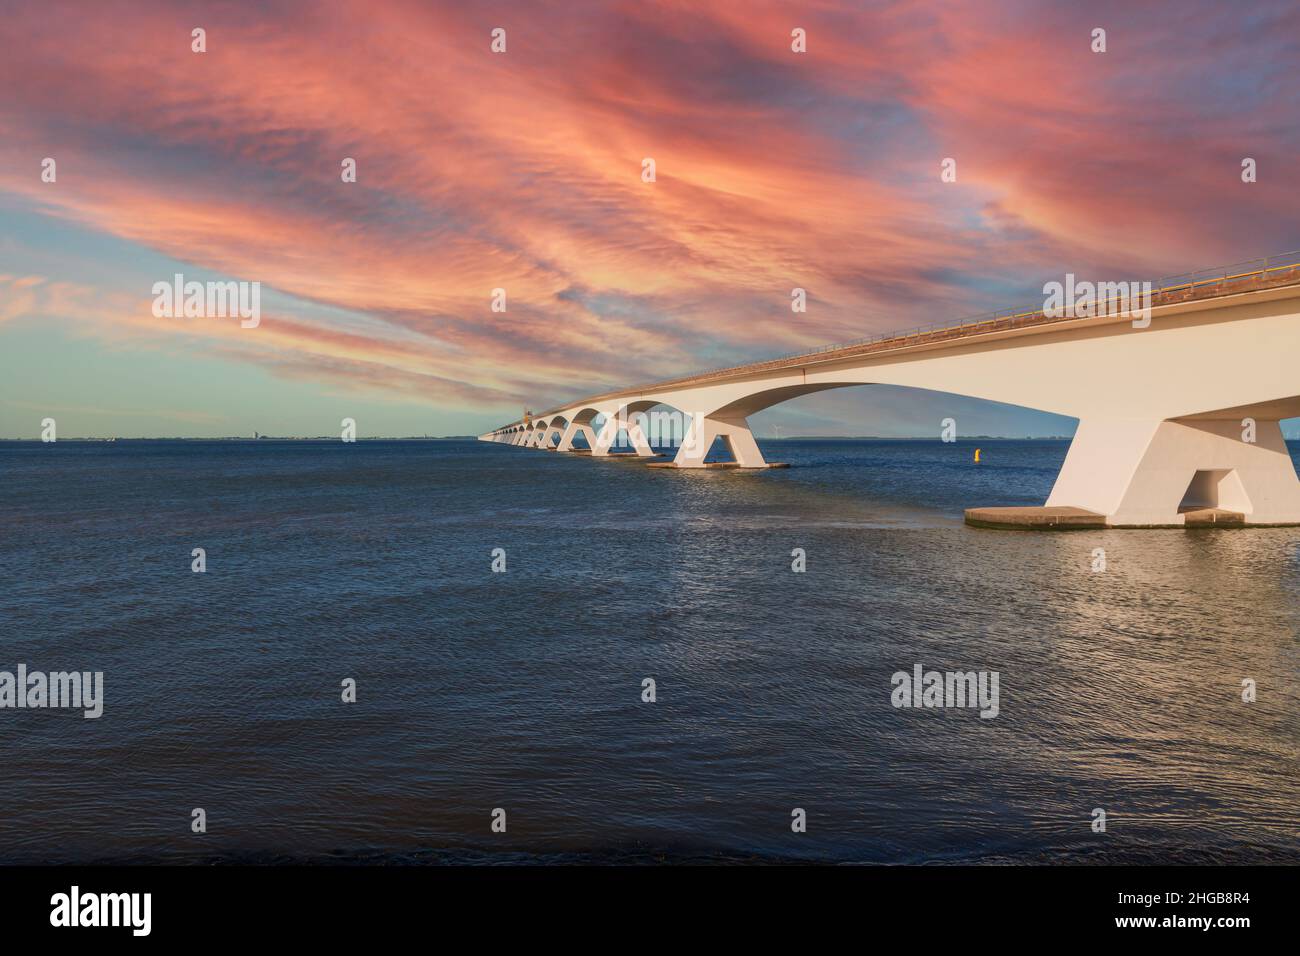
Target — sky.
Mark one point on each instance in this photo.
(522, 170)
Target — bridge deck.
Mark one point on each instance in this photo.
(1221, 283)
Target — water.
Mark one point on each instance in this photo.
(522, 690)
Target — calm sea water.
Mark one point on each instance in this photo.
(1118, 690)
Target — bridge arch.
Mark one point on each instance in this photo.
(553, 431)
(647, 425)
(580, 435)
(767, 398)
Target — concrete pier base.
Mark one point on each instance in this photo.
(1212, 518)
(697, 444)
(721, 464)
(1035, 519)
(1078, 519)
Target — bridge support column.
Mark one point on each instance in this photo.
(704, 431)
(600, 448)
(602, 445)
(637, 436)
(1139, 473)
(574, 429)
(566, 437)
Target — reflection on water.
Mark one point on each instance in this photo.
(1119, 690)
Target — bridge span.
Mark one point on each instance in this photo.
(1178, 416)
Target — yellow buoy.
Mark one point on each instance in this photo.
(977, 455)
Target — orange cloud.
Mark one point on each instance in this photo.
(523, 172)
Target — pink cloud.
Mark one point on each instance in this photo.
(522, 172)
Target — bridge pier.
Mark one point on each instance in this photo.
(571, 432)
(704, 431)
(637, 436)
(1140, 473)
(602, 445)
(566, 437)
(600, 448)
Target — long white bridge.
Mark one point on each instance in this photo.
(1178, 417)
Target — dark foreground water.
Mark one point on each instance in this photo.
(477, 690)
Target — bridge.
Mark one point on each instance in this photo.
(1178, 416)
